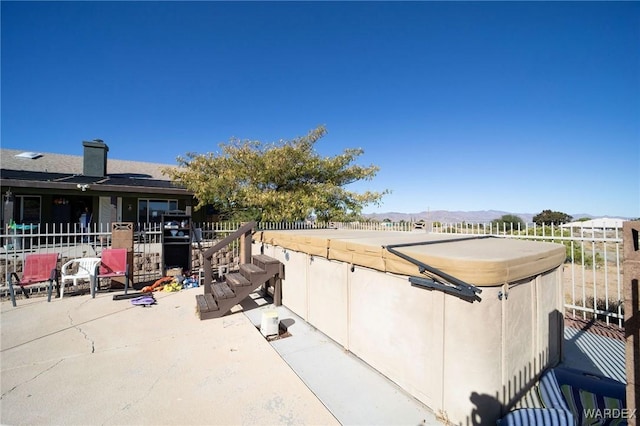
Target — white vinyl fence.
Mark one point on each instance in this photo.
(592, 272)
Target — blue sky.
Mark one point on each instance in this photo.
(514, 106)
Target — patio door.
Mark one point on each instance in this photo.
(107, 213)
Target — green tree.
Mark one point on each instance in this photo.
(508, 222)
(548, 217)
(284, 181)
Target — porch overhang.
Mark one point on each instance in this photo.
(95, 187)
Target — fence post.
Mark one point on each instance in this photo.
(631, 273)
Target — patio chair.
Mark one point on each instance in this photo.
(583, 394)
(573, 397)
(80, 269)
(113, 263)
(37, 268)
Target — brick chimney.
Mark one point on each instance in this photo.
(95, 158)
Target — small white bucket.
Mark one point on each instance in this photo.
(270, 322)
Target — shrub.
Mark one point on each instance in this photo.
(601, 305)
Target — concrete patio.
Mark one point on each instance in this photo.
(79, 360)
(88, 361)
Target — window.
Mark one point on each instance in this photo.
(28, 207)
(152, 210)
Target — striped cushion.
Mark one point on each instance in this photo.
(536, 417)
(588, 407)
(617, 404)
(572, 401)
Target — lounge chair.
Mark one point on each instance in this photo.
(573, 397)
(38, 268)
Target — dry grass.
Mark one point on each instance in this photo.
(587, 283)
(587, 287)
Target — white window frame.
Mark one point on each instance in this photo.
(171, 204)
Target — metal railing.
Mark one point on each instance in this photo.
(592, 273)
(70, 242)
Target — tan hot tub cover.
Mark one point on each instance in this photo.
(480, 262)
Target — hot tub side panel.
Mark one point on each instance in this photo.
(397, 329)
(295, 295)
(520, 341)
(328, 297)
(473, 351)
(316, 289)
(550, 317)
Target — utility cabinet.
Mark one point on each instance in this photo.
(176, 242)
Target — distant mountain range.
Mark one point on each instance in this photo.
(445, 216)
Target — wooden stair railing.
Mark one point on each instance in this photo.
(255, 271)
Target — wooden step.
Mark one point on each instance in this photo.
(237, 279)
(248, 269)
(262, 259)
(206, 306)
(222, 291)
(271, 265)
(220, 297)
(253, 273)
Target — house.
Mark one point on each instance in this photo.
(48, 188)
(599, 223)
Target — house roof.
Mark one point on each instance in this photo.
(61, 171)
(601, 222)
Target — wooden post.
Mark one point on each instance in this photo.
(277, 291)
(245, 246)
(208, 279)
(631, 273)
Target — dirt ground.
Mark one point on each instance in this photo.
(604, 283)
(580, 287)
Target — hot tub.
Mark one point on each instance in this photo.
(468, 347)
